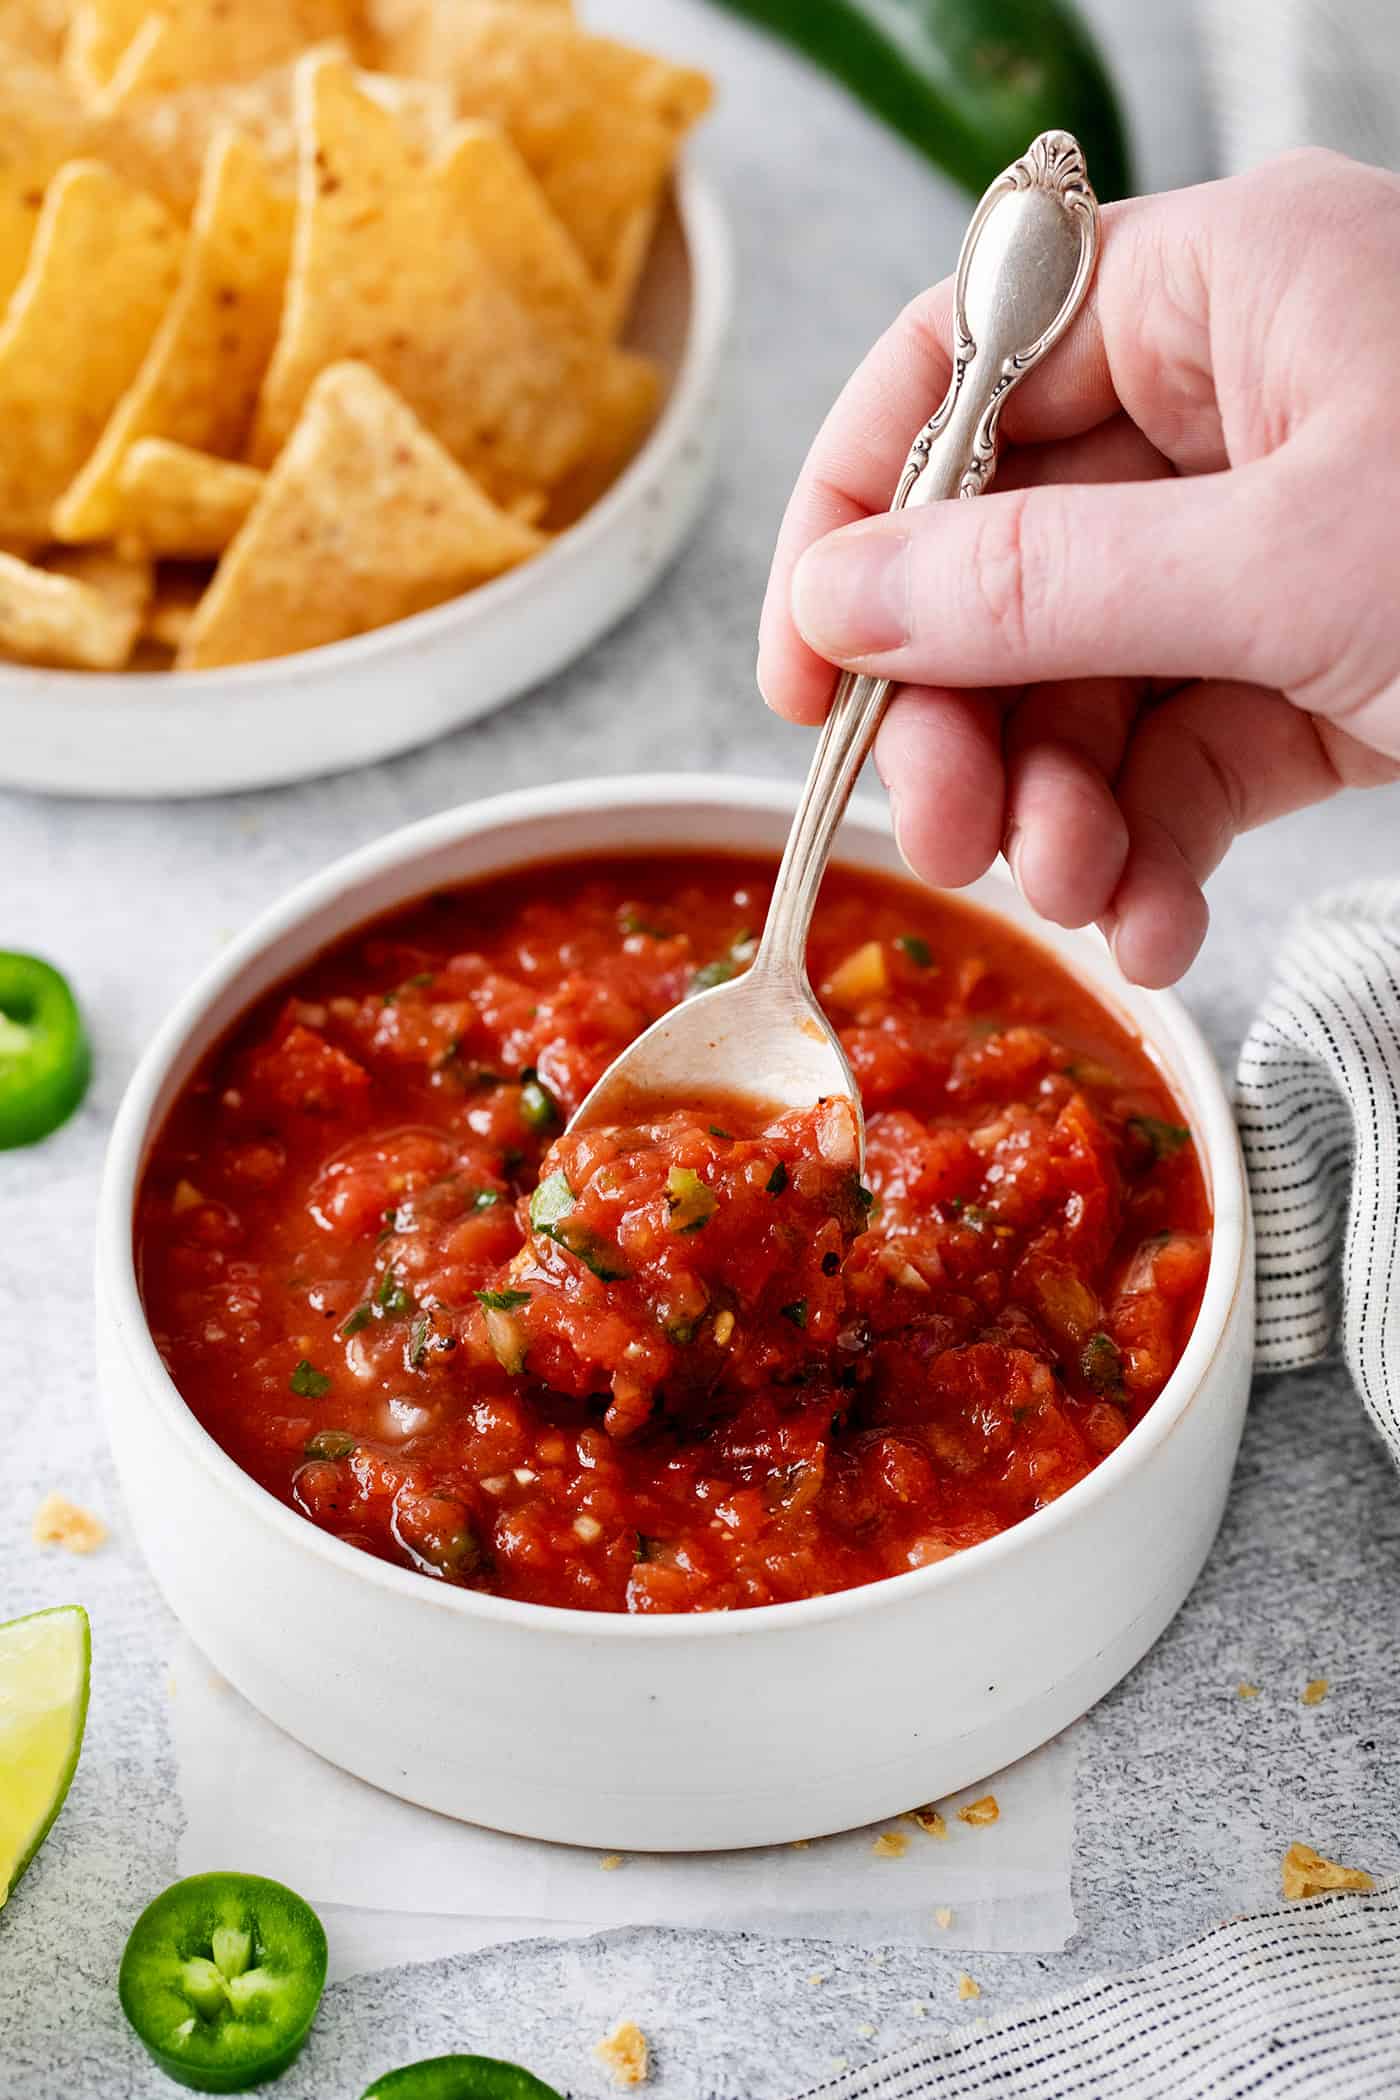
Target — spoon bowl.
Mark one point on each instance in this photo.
(761, 1040)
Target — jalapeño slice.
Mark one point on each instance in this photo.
(221, 1979)
(459, 2078)
(45, 1062)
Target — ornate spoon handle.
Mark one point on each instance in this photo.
(1025, 265)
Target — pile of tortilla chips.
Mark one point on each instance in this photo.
(309, 310)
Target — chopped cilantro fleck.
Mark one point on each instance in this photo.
(502, 1301)
(485, 1199)
(916, 948)
(308, 1383)
(391, 1296)
(777, 1181)
(796, 1312)
(1164, 1140)
(360, 1317)
(418, 1337)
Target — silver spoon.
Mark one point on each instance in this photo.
(1025, 265)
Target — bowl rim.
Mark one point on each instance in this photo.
(401, 850)
(710, 262)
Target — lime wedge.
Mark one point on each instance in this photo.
(44, 1662)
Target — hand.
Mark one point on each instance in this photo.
(1178, 614)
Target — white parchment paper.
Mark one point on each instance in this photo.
(400, 1883)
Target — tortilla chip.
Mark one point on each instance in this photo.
(33, 28)
(41, 126)
(173, 500)
(104, 264)
(163, 143)
(121, 575)
(98, 34)
(599, 124)
(524, 242)
(631, 395)
(199, 380)
(211, 40)
(393, 264)
(363, 519)
(55, 619)
(391, 27)
(619, 287)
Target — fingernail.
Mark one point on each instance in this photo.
(850, 593)
(897, 827)
(758, 681)
(1108, 927)
(1011, 852)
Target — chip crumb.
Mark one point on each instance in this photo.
(943, 1918)
(866, 2031)
(891, 1844)
(920, 2009)
(985, 1810)
(968, 1987)
(817, 1976)
(59, 1522)
(610, 1862)
(625, 2054)
(1315, 1691)
(930, 1819)
(1247, 1691)
(838, 2065)
(800, 1844)
(1307, 1873)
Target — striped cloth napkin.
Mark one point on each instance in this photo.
(1318, 1099)
(1302, 2001)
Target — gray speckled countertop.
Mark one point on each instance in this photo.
(1186, 1795)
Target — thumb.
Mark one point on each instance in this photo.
(1170, 578)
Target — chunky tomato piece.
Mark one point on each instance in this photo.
(690, 1364)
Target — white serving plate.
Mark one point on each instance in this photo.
(746, 1728)
(259, 725)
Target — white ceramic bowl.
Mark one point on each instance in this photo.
(691, 1731)
(257, 725)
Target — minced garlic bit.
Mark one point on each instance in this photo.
(1307, 1873)
(588, 1529)
(943, 1918)
(610, 1862)
(59, 1522)
(624, 2053)
(984, 1811)
(1247, 1691)
(968, 1987)
(891, 1844)
(1315, 1691)
(930, 1819)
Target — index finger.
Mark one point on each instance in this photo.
(856, 458)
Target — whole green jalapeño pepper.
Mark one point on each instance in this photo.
(969, 82)
(45, 1062)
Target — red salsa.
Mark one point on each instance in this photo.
(696, 1363)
